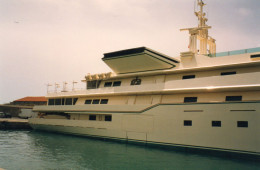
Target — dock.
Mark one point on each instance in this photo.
(14, 124)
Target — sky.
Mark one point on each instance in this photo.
(53, 41)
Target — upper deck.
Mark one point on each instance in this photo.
(197, 74)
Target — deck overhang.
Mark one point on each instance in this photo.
(140, 59)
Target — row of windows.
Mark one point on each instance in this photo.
(138, 81)
(135, 81)
(217, 123)
(62, 101)
(222, 74)
(114, 84)
(228, 98)
(94, 117)
(96, 101)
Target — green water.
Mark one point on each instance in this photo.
(36, 150)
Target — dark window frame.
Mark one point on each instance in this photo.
(95, 101)
(216, 123)
(108, 84)
(88, 101)
(92, 117)
(103, 101)
(255, 56)
(108, 118)
(228, 73)
(187, 123)
(243, 124)
(75, 100)
(116, 83)
(51, 102)
(185, 77)
(68, 101)
(233, 98)
(190, 99)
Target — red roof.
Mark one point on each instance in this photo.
(32, 99)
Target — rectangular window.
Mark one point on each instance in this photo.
(68, 101)
(75, 100)
(116, 83)
(188, 77)
(242, 123)
(51, 102)
(108, 118)
(216, 123)
(233, 98)
(88, 101)
(108, 84)
(228, 73)
(104, 101)
(92, 117)
(190, 99)
(255, 56)
(62, 101)
(96, 101)
(187, 123)
(57, 101)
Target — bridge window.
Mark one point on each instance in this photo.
(108, 84)
(88, 101)
(116, 83)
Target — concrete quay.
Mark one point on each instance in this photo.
(14, 124)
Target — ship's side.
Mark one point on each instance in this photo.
(193, 101)
(210, 106)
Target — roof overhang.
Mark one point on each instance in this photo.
(138, 60)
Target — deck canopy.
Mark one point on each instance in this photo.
(138, 60)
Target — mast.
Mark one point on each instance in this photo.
(201, 33)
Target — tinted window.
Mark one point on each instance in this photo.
(68, 101)
(190, 99)
(95, 101)
(88, 101)
(255, 56)
(92, 117)
(117, 83)
(108, 118)
(51, 102)
(242, 123)
(104, 101)
(233, 98)
(75, 100)
(57, 101)
(108, 84)
(187, 123)
(188, 77)
(228, 73)
(216, 123)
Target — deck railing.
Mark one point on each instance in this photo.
(235, 52)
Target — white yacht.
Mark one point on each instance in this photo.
(200, 100)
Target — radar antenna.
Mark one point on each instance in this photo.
(201, 33)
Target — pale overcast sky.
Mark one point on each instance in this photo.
(48, 41)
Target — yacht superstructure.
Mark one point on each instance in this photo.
(198, 100)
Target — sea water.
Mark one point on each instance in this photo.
(30, 150)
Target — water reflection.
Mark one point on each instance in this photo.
(35, 150)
